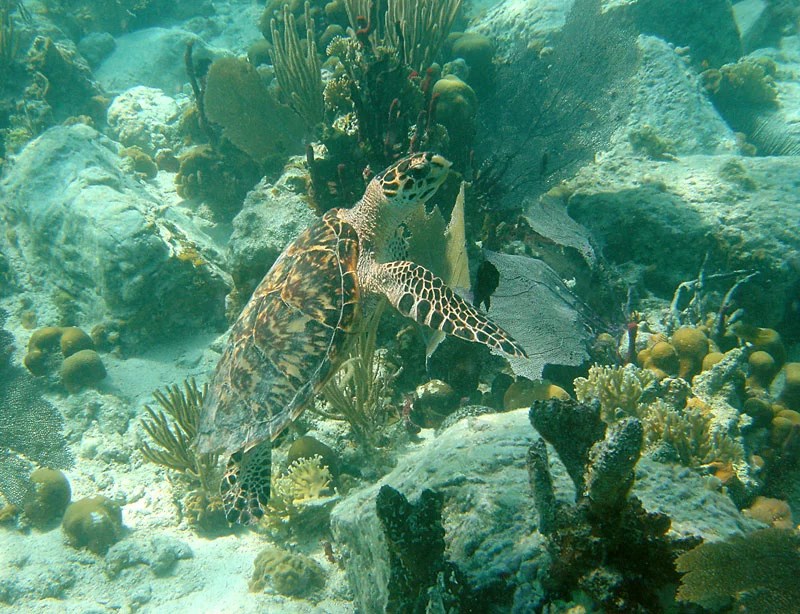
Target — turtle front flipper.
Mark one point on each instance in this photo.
(245, 484)
(419, 294)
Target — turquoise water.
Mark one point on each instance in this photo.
(452, 306)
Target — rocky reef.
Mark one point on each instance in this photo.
(622, 200)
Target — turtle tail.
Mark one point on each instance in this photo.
(245, 484)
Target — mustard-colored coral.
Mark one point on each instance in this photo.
(790, 395)
(774, 512)
(690, 433)
(287, 573)
(691, 344)
(617, 388)
(306, 479)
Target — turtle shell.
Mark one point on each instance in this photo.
(287, 341)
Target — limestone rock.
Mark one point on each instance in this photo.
(752, 19)
(147, 118)
(487, 512)
(517, 24)
(95, 243)
(489, 515)
(639, 95)
(663, 217)
(271, 217)
(151, 57)
(665, 95)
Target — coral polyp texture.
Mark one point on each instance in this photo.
(31, 428)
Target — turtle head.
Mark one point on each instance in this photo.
(413, 179)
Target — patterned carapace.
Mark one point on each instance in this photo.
(293, 333)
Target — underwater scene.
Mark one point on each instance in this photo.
(404, 306)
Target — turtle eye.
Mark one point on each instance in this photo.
(417, 172)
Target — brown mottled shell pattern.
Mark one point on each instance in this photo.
(287, 341)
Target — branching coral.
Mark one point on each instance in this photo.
(690, 433)
(757, 572)
(306, 479)
(297, 69)
(9, 40)
(617, 388)
(173, 429)
(418, 28)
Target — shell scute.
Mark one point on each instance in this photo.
(288, 339)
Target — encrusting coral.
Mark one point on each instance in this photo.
(287, 573)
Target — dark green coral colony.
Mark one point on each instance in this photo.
(83, 368)
(47, 498)
(94, 523)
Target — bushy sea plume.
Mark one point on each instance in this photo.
(31, 428)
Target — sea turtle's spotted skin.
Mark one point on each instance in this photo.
(293, 332)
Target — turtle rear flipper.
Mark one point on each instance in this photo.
(245, 485)
(420, 295)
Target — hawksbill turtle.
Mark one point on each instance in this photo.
(294, 331)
